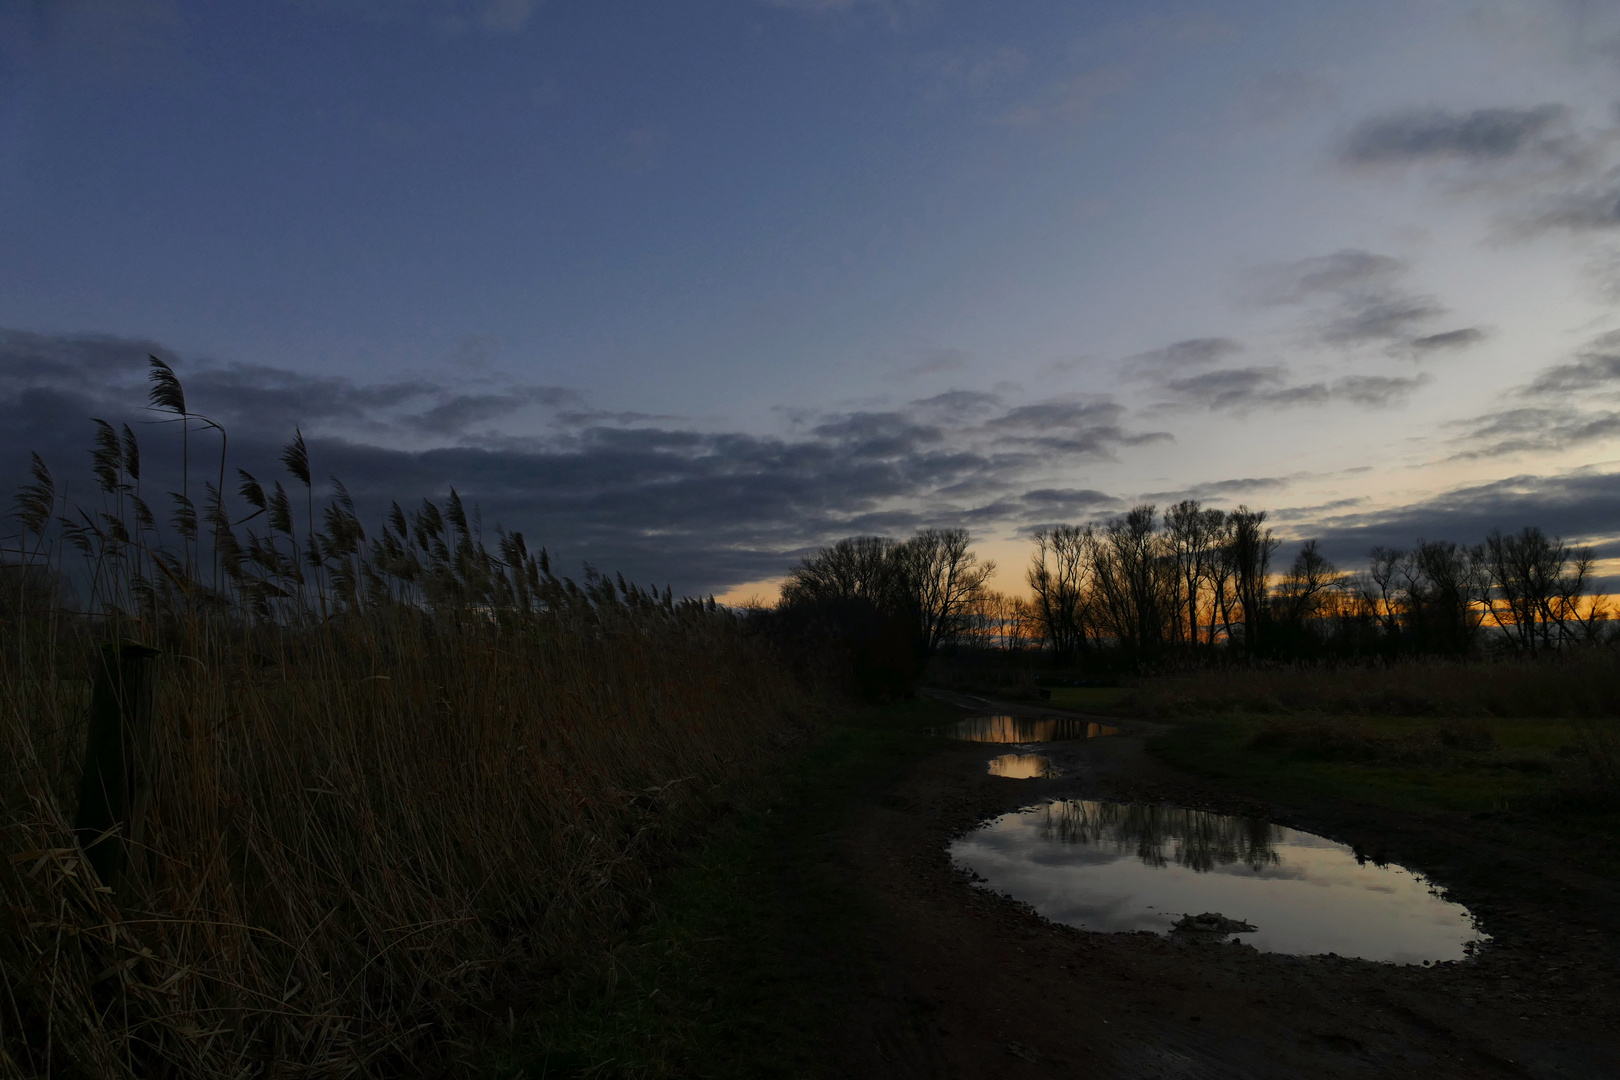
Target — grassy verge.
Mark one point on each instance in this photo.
(1396, 762)
(756, 949)
(1101, 699)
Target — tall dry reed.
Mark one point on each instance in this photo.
(397, 780)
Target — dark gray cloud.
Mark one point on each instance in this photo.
(1044, 507)
(1376, 391)
(1450, 339)
(1340, 273)
(1579, 506)
(1356, 298)
(1241, 389)
(699, 509)
(1218, 489)
(1596, 367)
(1542, 169)
(1180, 356)
(1482, 135)
(1534, 429)
(1380, 320)
(1063, 429)
(957, 407)
(1589, 209)
(1312, 513)
(1558, 410)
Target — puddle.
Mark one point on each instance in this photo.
(1116, 867)
(1023, 767)
(1024, 729)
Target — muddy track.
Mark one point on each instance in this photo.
(974, 985)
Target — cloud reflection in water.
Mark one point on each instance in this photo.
(1115, 867)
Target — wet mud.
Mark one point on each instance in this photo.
(976, 984)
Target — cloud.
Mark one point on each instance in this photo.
(957, 407)
(1558, 414)
(1356, 297)
(1576, 505)
(1192, 353)
(1041, 508)
(1348, 272)
(1591, 209)
(457, 413)
(1596, 367)
(1242, 389)
(1217, 489)
(1376, 391)
(1488, 135)
(1534, 429)
(639, 493)
(1543, 170)
(1450, 339)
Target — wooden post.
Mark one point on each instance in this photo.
(116, 754)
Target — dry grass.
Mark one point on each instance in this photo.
(346, 851)
(398, 778)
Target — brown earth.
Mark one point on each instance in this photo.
(975, 985)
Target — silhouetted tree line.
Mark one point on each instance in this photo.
(1193, 581)
(880, 606)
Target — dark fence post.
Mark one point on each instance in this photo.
(112, 789)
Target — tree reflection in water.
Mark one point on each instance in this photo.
(1202, 841)
(1025, 729)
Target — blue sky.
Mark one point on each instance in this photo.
(685, 288)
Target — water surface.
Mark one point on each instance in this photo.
(1122, 867)
(1025, 729)
(1023, 767)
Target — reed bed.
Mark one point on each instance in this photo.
(395, 782)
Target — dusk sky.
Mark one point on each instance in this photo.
(686, 289)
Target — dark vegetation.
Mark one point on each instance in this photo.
(392, 776)
(413, 801)
(1197, 584)
(1181, 615)
(878, 608)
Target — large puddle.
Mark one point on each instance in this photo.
(1024, 729)
(1023, 767)
(1117, 867)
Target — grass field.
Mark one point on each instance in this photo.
(1400, 763)
(1101, 699)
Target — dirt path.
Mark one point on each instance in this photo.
(976, 986)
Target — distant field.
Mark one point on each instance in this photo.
(1089, 698)
(1404, 763)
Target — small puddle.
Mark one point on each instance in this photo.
(1023, 767)
(1118, 867)
(1024, 729)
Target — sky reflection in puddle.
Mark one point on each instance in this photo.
(1024, 729)
(1119, 867)
(1022, 767)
